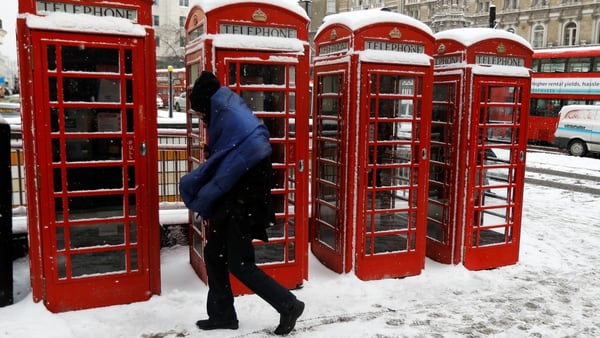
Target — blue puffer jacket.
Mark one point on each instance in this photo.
(237, 141)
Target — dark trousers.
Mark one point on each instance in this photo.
(230, 249)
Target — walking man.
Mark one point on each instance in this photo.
(232, 189)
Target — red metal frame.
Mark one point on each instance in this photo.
(331, 232)
(196, 60)
(370, 151)
(493, 225)
(330, 235)
(478, 149)
(443, 240)
(282, 76)
(82, 256)
(396, 164)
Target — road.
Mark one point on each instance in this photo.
(563, 177)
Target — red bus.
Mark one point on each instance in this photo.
(561, 76)
(162, 83)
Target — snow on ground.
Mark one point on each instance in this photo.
(553, 291)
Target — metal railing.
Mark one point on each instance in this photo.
(172, 163)
(171, 166)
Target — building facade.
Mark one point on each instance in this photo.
(6, 74)
(168, 20)
(544, 23)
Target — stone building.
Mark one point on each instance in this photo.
(4, 62)
(544, 23)
(168, 22)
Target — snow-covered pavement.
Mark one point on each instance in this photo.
(553, 291)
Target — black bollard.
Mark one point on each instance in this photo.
(6, 269)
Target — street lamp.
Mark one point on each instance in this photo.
(493, 16)
(170, 70)
(306, 6)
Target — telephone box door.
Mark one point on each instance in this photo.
(498, 158)
(329, 238)
(92, 120)
(393, 151)
(443, 236)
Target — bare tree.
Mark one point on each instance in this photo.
(171, 51)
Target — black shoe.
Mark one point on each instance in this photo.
(287, 321)
(209, 324)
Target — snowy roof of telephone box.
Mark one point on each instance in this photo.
(469, 36)
(358, 19)
(84, 23)
(291, 5)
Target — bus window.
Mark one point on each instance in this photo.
(535, 65)
(596, 64)
(544, 107)
(579, 65)
(552, 65)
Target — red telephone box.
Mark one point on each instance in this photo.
(89, 133)
(260, 50)
(478, 146)
(373, 75)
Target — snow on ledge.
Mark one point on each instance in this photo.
(84, 23)
(167, 216)
(496, 70)
(417, 59)
(257, 42)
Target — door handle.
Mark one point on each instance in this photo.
(143, 149)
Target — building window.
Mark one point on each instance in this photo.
(538, 36)
(366, 4)
(157, 41)
(155, 20)
(483, 6)
(155, 3)
(510, 4)
(185, 3)
(414, 13)
(182, 21)
(331, 6)
(570, 38)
